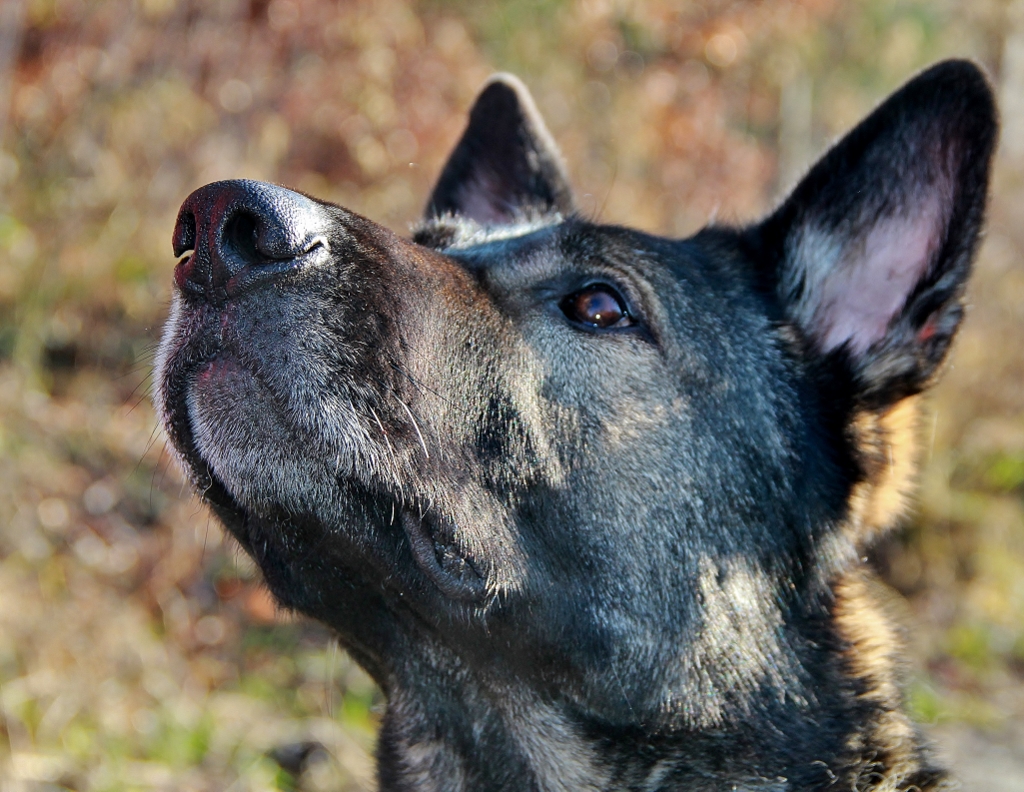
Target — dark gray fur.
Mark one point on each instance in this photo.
(574, 557)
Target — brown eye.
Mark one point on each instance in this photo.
(597, 306)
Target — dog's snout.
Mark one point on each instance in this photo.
(242, 233)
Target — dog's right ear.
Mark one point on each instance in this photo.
(506, 167)
(870, 253)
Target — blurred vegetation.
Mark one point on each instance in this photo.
(137, 649)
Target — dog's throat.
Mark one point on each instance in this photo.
(432, 541)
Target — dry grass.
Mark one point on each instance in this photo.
(137, 649)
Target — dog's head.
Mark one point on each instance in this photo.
(621, 469)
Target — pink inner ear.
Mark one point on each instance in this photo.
(480, 197)
(869, 284)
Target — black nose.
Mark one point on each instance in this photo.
(242, 233)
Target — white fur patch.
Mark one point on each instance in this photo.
(469, 233)
(171, 337)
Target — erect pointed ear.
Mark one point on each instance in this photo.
(870, 253)
(506, 166)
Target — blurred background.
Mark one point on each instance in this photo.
(137, 648)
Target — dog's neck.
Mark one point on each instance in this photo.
(450, 726)
(473, 739)
(525, 744)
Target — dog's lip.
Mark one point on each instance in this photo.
(217, 364)
(456, 576)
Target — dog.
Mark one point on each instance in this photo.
(590, 504)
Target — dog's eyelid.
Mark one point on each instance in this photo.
(630, 292)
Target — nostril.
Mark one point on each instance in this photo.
(184, 233)
(245, 233)
(241, 237)
(249, 238)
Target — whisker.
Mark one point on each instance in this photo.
(145, 452)
(415, 426)
(383, 431)
(138, 401)
(143, 384)
(419, 385)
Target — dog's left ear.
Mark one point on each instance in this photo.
(506, 166)
(870, 253)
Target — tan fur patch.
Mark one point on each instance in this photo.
(890, 746)
(874, 643)
(888, 446)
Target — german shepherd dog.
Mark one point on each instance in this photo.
(589, 504)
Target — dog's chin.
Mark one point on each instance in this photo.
(242, 439)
